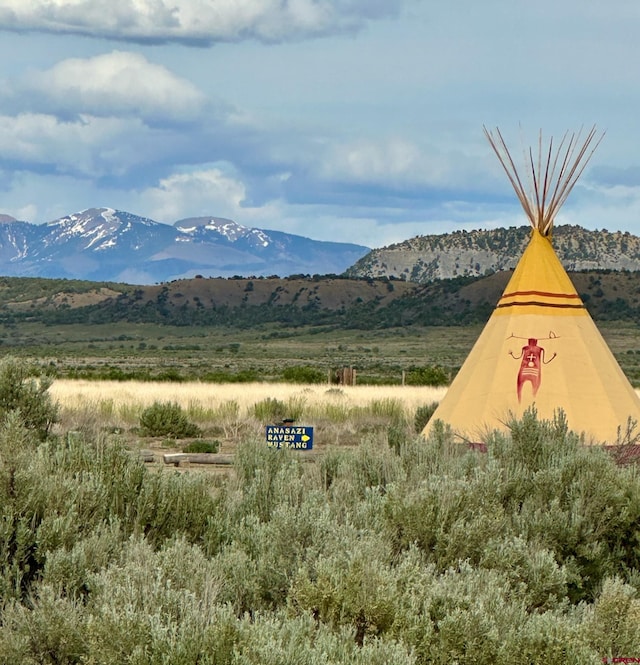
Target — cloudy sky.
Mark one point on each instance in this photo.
(351, 120)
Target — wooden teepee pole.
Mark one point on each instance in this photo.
(553, 173)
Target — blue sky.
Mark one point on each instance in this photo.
(350, 120)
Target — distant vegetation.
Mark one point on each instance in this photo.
(304, 328)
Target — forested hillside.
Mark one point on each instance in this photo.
(299, 300)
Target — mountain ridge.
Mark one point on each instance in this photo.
(105, 244)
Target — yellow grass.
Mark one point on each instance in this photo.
(78, 394)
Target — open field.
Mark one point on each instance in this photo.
(227, 414)
(194, 351)
(376, 547)
(215, 354)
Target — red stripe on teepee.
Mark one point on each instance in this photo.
(544, 294)
(538, 303)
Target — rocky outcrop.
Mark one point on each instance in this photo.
(475, 253)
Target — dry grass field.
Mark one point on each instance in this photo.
(124, 396)
(230, 412)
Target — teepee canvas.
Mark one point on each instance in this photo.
(541, 347)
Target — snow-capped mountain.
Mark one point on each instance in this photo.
(103, 244)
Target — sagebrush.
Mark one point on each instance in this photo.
(425, 552)
(167, 419)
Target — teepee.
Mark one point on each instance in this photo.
(541, 347)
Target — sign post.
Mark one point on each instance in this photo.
(293, 437)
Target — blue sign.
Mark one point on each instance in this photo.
(295, 437)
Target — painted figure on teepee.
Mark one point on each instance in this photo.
(540, 346)
(533, 357)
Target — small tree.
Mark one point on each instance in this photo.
(23, 392)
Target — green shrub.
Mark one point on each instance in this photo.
(21, 391)
(242, 376)
(388, 408)
(431, 375)
(270, 409)
(167, 419)
(397, 436)
(612, 623)
(303, 374)
(171, 375)
(351, 588)
(423, 416)
(201, 447)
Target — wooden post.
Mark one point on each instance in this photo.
(346, 376)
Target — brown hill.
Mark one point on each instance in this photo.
(331, 293)
(363, 303)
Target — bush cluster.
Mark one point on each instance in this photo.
(431, 375)
(425, 552)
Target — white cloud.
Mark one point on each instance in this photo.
(380, 136)
(38, 198)
(614, 208)
(24, 213)
(194, 194)
(89, 146)
(367, 231)
(210, 191)
(204, 21)
(115, 83)
(403, 164)
(372, 161)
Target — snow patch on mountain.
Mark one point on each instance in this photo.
(226, 228)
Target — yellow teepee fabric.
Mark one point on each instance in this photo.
(540, 348)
